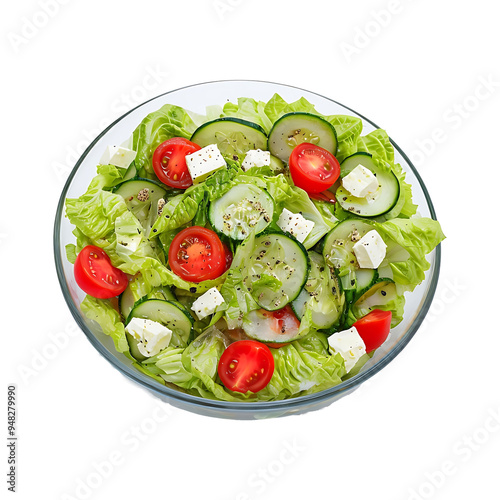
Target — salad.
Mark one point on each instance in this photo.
(259, 252)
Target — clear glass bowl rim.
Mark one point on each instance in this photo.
(286, 404)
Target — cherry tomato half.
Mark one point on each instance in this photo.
(246, 365)
(312, 168)
(96, 276)
(374, 328)
(197, 254)
(169, 162)
(229, 256)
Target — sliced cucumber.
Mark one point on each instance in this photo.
(169, 314)
(321, 294)
(276, 271)
(365, 278)
(378, 203)
(233, 136)
(243, 208)
(379, 296)
(263, 326)
(277, 166)
(133, 293)
(141, 197)
(130, 173)
(338, 249)
(293, 129)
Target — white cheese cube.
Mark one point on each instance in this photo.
(370, 250)
(118, 156)
(295, 224)
(204, 162)
(360, 182)
(349, 345)
(152, 336)
(206, 304)
(256, 158)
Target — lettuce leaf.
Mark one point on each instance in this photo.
(251, 110)
(94, 213)
(169, 121)
(300, 202)
(303, 367)
(108, 318)
(348, 128)
(408, 241)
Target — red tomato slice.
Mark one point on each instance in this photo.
(281, 321)
(246, 365)
(197, 254)
(96, 276)
(374, 328)
(169, 162)
(312, 168)
(229, 256)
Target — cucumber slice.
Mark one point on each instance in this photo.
(365, 279)
(338, 250)
(233, 136)
(263, 326)
(378, 203)
(130, 173)
(129, 298)
(276, 271)
(377, 297)
(141, 197)
(379, 294)
(293, 129)
(243, 208)
(169, 314)
(321, 294)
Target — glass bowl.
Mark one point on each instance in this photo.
(196, 98)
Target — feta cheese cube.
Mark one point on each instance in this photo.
(256, 158)
(118, 156)
(207, 303)
(152, 336)
(204, 162)
(370, 250)
(360, 182)
(349, 345)
(295, 224)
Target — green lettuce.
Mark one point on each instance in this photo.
(408, 242)
(379, 145)
(302, 367)
(94, 213)
(300, 203)
(108, 318)
(348, 128)
(251, 110)
(169, 121)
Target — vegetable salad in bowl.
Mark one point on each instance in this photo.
(259, 252)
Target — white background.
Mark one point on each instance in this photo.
(418, 73)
